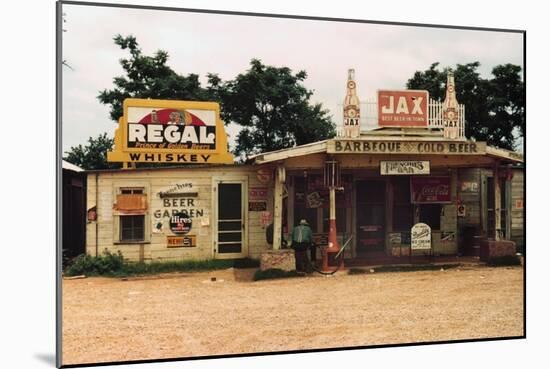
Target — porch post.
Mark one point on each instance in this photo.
(496, 184)
(278, 207)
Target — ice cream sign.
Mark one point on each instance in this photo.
(167, 131)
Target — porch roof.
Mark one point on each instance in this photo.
(403, 145)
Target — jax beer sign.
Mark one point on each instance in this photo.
(170, 131)
(406, 108)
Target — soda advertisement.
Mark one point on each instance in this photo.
(426, 190)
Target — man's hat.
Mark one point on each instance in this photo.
(303, 221)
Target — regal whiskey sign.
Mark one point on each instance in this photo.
(170, 131)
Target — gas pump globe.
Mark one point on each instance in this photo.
(332, 180)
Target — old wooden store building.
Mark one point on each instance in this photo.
(364, 189)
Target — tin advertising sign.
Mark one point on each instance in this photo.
(403, 108)
(425, 190)
(170, 131)
(404, 167)
(421, 237)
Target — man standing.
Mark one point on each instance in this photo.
(301, 242)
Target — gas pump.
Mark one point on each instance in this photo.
(332, 259)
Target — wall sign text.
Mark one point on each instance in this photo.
(404, 167)
(405, 147)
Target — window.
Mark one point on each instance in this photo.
(431, 215)
(130, 214)
(131, 191)
(132, 228)
(131, 199)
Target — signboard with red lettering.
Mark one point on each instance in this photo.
(406, 108)
(170, 131)
(426, 190)
(257, 193)
(181, 241)
(180, 223)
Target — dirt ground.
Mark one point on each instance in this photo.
(183, 315)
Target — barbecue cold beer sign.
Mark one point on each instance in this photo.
(170, 131)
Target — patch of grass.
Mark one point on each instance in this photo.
(509, 260)
(113, 265)
(274, 274)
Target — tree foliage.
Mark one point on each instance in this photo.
(495, 107)
(273, 107)
(148, 77)
(93, 155)
(271, 104)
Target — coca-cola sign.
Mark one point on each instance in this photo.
(430, 190)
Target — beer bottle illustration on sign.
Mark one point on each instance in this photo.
(450, 109)
(352, 127)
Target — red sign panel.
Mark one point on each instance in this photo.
(257, 193)
(407, 108)
(430, 190)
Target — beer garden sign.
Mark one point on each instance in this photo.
(170, 131)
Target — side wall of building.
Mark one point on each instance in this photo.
(517, 206)
(105, 232)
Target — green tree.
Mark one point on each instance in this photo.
(93, 155)
(148, 77)
(273, 107)
(495, 107)
(271, 104)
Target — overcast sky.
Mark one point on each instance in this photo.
(383, 56)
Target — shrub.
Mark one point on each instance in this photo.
(107, 263)
(113, 264)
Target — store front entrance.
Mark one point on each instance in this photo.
(229, 231)
(370, 215)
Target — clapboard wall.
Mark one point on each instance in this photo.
(104, 233)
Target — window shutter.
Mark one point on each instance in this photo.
(131, 203)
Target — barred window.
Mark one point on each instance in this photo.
(132, 228)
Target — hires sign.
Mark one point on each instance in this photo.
(407, 108)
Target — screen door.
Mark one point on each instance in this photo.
(230, 223)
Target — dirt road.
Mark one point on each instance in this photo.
(182, 315)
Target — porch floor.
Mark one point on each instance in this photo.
(376, 260)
